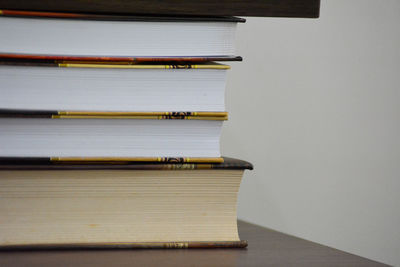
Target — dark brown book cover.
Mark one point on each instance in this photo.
(261, 8)
(26, 163)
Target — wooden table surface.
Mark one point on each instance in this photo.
(266, 248)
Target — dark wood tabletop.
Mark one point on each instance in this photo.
(266, 248)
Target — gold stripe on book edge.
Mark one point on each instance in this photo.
(134, 159)
(205, 160)
(144, 113)
(163, 117)
(149, 117)
(139, 66)
(111, 66)
(1, 12)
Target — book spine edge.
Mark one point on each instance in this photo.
(128, 245)
(56, 59)
(174, 115)
(159, 162)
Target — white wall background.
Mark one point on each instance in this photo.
(315, 106)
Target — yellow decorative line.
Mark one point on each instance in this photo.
(143, 113)
(219, 116)
(140, 117)
(140, 66)
(1, 12)
(86, 160)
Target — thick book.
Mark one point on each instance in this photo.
(172, 205)
(261, 8)
(85, 35)
(111, 86)
(74, 135)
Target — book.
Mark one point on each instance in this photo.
(67, 34)
(81, 134)
(111, 86)
(260, 8)
(51, 59)
(137, 205)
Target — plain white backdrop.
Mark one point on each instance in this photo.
(315, 106)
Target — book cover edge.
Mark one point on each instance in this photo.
(44, 163)
(148, 115)
(53, 60)
(116, 17)
(129, 245)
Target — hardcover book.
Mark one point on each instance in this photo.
(170, 205)
(111, 86)
(83, 35)
(110, 135)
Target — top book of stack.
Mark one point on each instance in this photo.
(106, 37)
(261, 8)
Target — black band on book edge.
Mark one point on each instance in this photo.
(118, 17)
(43, 163)
(129, 245)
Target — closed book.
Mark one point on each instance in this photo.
(111, 86)
(136, 205)
(82, 134)
(85, 35)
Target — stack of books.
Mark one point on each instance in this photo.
(110, 129)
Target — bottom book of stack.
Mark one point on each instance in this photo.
(135, 205)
